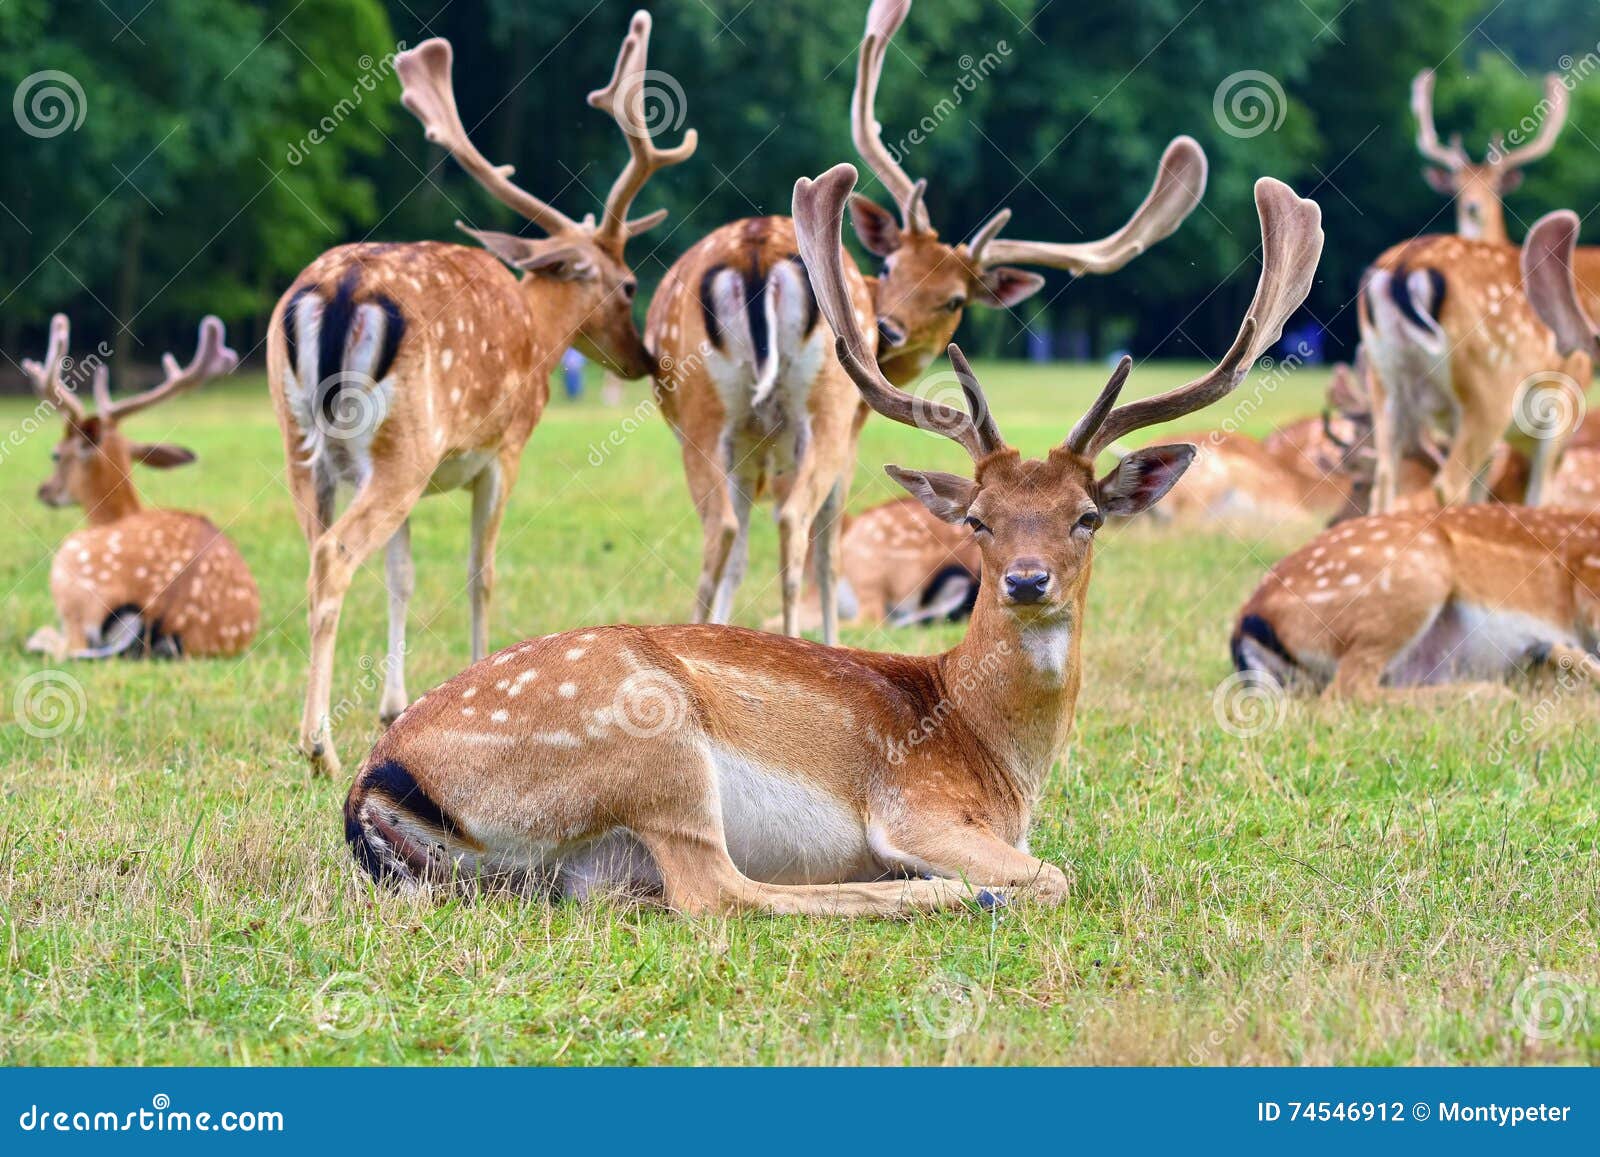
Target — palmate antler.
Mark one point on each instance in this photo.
(428, 92)
(1550, 285)
(1179, 184)
(212, 358)
(46, 375)
(819, 222)
(1291, 244)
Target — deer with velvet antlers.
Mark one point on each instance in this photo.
(748, 381)
(725, 769)
(1478, 188)
(136, 581)
(405, 370)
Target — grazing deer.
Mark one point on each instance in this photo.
(901, 566)
(1418, 598)
(405, 370)
(136, 581)
(926, 284)
(728, 769)
(1478, 188)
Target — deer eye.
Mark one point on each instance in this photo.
(977, 525)
(954, 303)
(629, 288)
(1091, 521)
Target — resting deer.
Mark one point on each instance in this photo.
(748, 382)
(900, 566)
(728, 769)
(1478, 188)
(405, 370)
(1417, 598)
(136, 581)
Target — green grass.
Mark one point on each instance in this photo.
(1358, 884)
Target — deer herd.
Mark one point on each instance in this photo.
(721, 768)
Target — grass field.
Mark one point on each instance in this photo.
(1414, 884)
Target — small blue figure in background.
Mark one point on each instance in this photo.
(572, 363)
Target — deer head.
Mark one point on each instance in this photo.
(1034, 521)
(926, 284)
(585, 254)
(1478, 187)
(94, 459)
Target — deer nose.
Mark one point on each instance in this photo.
(1026, 583)
(890, 332)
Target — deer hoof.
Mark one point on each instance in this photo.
(990, 901)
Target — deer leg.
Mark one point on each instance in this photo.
(371, 520)
(954, 848)
(313, 493)
(825, 561)
(1471, 450)
(700, 878)
(1385, 447)
(718, 525)
(743, 481)
(1571, 658)
(490, 491)
(400, 577)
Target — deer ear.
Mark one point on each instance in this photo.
(161, 455)
(1004, 286)
(548, 256)
(1510, 181)
(947, 496)
(1439, 180)
(874, 225)
(1140, 480)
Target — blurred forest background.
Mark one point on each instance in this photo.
(192, 183)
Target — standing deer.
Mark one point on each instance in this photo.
(136, 581)
(1478, 188)
(749, 385)
(403, 370)
(728, 769)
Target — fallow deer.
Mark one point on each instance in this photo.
(1478, 187)
(1456, 354)
(136, 581)
(404, 370)
(729, 769)
(899, 567)
(1418, 598)
(926, 284)
(746, 379)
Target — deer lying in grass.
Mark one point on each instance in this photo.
(136, 581)
(405, 370)
(728, 769)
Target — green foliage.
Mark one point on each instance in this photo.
(195, 183)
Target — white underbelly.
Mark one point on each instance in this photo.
(455, 472)
(1467, 642)
(780, 829)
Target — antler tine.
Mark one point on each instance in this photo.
(624, 99)
(1291, 244)
(211, 359)
(46, 376)
(1548, 280)
(1555, 95)
(1453, 157)
(819, 221)
(102, 388)
(1082, 435)
(428, 92)
(883, 21)
(983, 423)
(1180, 183)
